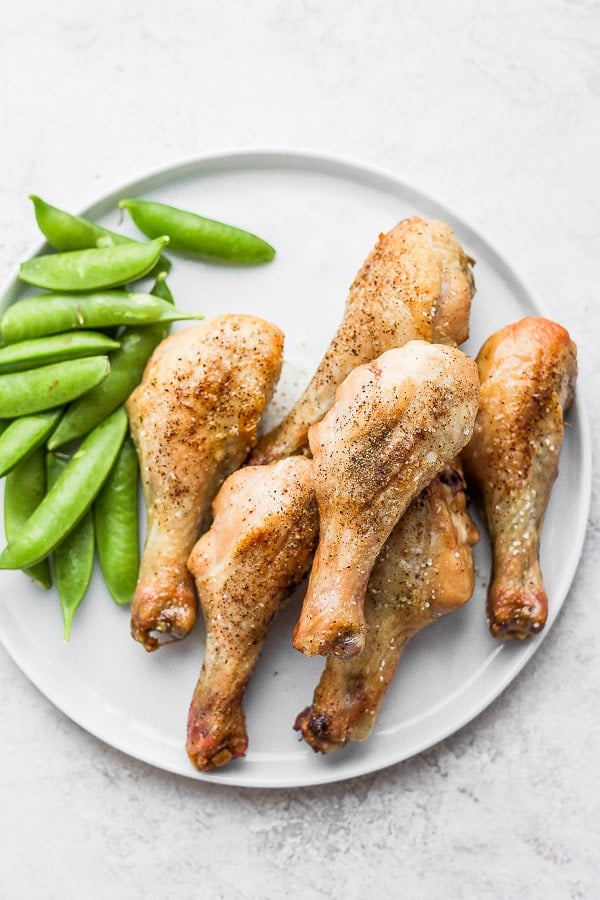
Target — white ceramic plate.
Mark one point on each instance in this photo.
(323, 215)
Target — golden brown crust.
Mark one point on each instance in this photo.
(528, 372)
(194, 419)
(415, 284)
(394, 424)
(259, 547)
(424, 570)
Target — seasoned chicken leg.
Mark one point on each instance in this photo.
(424, 570)
(394, 425)
(259, 546)
(193, 419)
(528, 373)
(415, 284)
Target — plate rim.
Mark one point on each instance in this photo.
(341, 165)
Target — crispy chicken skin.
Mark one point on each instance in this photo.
(424, 570)
(528, 372)
(193, 419)
(415, 284)
(259, 546)
(396, 422)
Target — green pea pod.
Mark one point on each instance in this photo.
(197, 235)
(24, 490)
(46, 314)
(23, 393)
(161, 288)
(55, 348)
(69, 499)
(73, 558)
(64, 231)
(24, 435)
(116, 525)
(90, 270)
(127, 366)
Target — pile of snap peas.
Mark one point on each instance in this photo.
(70, 356)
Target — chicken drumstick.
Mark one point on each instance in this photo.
(415, 284)
(396, 422)
(528, 373)
(259, 546)
(424, 570)
(193, 419)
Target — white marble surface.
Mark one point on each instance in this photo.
(495, 109)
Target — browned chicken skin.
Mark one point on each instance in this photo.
(193, 419)
(415, 284)
(528, 373)
(260, 545)
(424, 570)
(396, 422)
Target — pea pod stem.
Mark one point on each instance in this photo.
(24, 393)
(24, 435)
(70, 497)
(89, 270)
(54, 348)
(190, 233)
(47, 314)
(116, 525)
(24, 490)
(161, 288)
(127, 366)
(73, 558)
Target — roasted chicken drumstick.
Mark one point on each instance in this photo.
(193, 419)
(259, 546)
(528, 373)
(415, 284)
(424, 570)
(396, 422)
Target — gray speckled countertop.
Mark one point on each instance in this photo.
(496, 110)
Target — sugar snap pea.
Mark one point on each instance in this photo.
(90, 270)
(197, 235)
(64, 231)
(23, 393)
(127, 366)
(55, 348)
(116, 525)
(24, 490)
(52, 313)
(24, 435)
(73, 558)
(70, 497)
